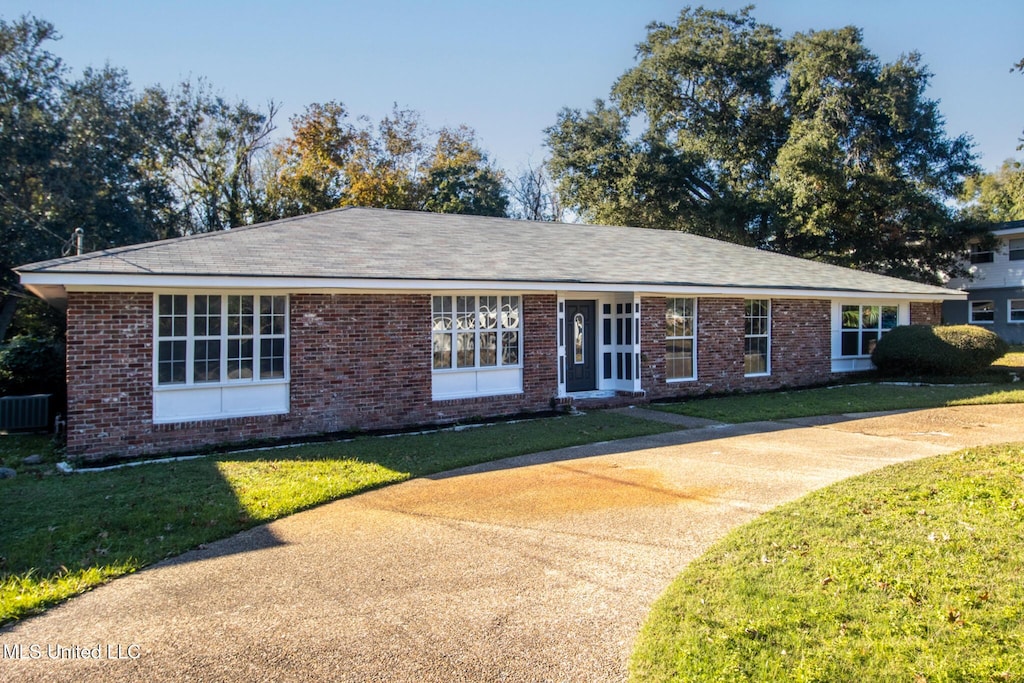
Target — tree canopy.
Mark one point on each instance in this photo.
(806, 145)
(330, 161)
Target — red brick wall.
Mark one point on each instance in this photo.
(925, 312)
(357, 362)
(801, 347)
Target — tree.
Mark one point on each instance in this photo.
(806, 145)
(533, 196)
(330, 162)
(460, 179)
(31, 83)
(867, 174)
(310, 164)
(216, 157)
(996, 197)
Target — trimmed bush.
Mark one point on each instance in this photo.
(947, 350)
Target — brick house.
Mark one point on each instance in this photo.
(369, 319)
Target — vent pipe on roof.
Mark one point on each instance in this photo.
(74, 243)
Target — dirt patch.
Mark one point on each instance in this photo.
(541, 492)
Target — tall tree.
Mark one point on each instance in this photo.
(996, 197)
(217, 149)
(31, 84)
(310, 164)
(533, 197)
(460, 178)
(398, 163)
(806, 145)
(867, 174)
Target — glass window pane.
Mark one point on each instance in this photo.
(240, 359)
(171, 362)
(442, 351)
(869, 317)
(851, 317)
(488, 318)
(890, 315)
(983, 312)
(465, 312)
(755, 357)
(851, 343)
(510, 348)
(465, 350)
(679, 318)
(271, 358)
(868, 340)
(488, 349)
(442, 313)
(1016, 310)
(679, 359)
(206, 360)
(240, 315)
(272, 315)
(577, 339)
(510, 312)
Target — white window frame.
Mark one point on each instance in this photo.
(1012, 306)
(451, 318)
(227, 396)
(861, 330)
(692, 337)
(1015, 249)
(970, 312)
(766, 335)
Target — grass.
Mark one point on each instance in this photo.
(856, 398)
(62, 535)
(910, 573)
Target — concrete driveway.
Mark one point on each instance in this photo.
(539, 568)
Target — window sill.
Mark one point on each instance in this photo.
(680, 380)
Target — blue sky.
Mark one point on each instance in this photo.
(507, 68)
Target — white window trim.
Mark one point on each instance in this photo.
(841, 363)
(478, 381)
(696, 303)
(1010, 309)
(242, 397)
(767, 335)
(970, 312)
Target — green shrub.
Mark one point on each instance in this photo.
(926, 350)
(30, 365)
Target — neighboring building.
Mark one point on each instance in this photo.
(995, 295)
(367, 319)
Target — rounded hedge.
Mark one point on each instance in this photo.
(946, 350)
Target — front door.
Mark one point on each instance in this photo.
(580, 346)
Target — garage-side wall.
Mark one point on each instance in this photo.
(800, 347)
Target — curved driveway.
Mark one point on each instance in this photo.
(538, 568)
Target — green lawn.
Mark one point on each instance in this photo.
(910, 574)
(62, 535)
(856, 398)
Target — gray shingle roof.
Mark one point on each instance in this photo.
(361, 244)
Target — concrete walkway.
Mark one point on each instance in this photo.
(538, 568)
